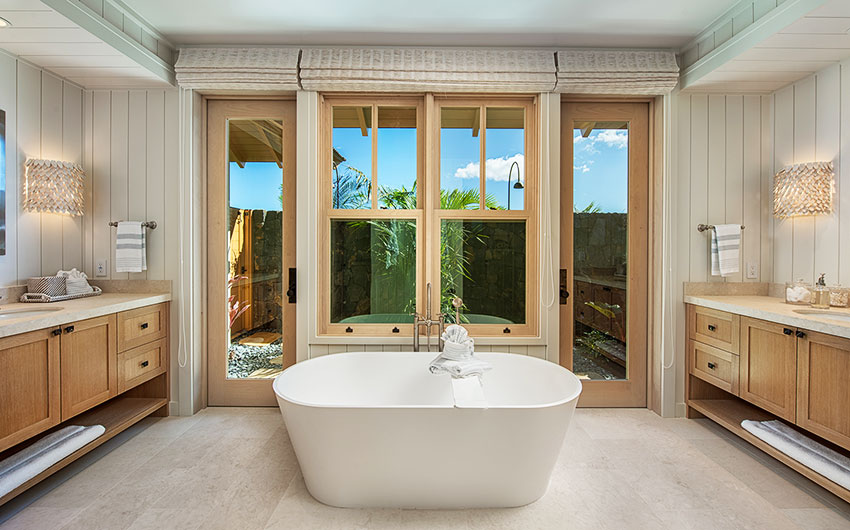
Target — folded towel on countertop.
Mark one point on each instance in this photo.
(76, 282)
(725, 249)
(810, 453)
(130, 247)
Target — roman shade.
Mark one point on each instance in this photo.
(237, 68)
(431, 69)
(623, 72)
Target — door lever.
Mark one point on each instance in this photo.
(564, 293)
(292, 292)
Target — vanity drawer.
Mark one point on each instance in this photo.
(142, 325)
(715, 328)
(714, 366)
(140, 364)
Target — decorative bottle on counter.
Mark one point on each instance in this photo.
(820, 296)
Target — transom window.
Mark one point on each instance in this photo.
(428, 190)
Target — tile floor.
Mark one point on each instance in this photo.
(619, 469)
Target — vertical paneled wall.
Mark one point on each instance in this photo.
(722, 144)
(131, 160)
(812, 123)
(43, 120)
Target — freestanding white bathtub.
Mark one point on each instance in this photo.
(378, 430)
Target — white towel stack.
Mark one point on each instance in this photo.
(812, 454)
(27, 463)
(457, 357)
(130, 252)
(76, 282)
(725, 249)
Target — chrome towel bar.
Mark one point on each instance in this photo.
(146, 224)
(702, 227)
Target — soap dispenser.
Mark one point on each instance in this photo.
(820, 296)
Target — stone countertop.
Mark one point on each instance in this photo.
(776, 310)
(62, 313)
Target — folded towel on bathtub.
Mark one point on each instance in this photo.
(457, 344)
(459, 368)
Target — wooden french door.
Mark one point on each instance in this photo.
(250, 248)
(604, 249)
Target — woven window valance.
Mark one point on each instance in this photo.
(617, 72)
(435, 70)
(238, 68)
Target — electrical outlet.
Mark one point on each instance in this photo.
(100, 267)
(752, 271)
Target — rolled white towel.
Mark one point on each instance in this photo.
(76, 282)
(465, 368)
(455, 333)
(458, 351)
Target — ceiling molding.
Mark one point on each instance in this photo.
(743, 26)
(127, 32)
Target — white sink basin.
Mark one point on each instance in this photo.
(8, 314)
(832, 315)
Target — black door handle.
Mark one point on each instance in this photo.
(144, 364)
(712, 366)
(291, 293)
(144, 326)
(787, 331)
(800, 334)
(563, 292)
(712, 327)
(69, 329)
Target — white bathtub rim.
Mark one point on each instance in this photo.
(327, 358)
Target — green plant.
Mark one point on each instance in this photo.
(590, 208)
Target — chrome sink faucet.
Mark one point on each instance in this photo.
(418, 321)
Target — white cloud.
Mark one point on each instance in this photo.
(497, 168)
(613, 138)
(584, 168)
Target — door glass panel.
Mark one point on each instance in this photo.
(255, 252)
(483, 263)
(505, 166)
(397, 157)
(373, 271)
(351, 170)
(460, 158)
(600, 248)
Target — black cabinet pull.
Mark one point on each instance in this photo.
(56, 332)
(395, 330)
(349, 330)
(143, 364)
(712, 366)
(69, 329)
(607, 289)
(787, 331)
(800, 334)
(712, 327)
(144, 326)
(506, 330)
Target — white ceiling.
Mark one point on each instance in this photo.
(47, 39)
(808, 45)
(615, 23)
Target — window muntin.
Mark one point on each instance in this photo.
(431, 207)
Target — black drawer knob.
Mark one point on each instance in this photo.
(800, 334)
(69, 329)
(144, 325)
(787, 331)
(712, 366)
(143, 364)
(57, 332)
(712, 327)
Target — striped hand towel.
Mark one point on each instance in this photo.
(725, 248)
(130, 253)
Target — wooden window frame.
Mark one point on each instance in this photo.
(428, 215)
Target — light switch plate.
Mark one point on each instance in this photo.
(100, 268)
(752, 271)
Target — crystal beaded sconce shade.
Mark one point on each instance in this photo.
(54, 187)
(803, 189)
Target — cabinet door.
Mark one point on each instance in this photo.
(823, 386)
(89, 364)
(29, 385)
(769, 366)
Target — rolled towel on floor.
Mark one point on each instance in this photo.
(29, 462)
(810, 453)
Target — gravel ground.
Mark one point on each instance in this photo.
(244, 360)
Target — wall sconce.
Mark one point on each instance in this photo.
(803, 189)
(53, 187)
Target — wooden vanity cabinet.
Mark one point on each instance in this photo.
(768, 366)
(29, 388)
(823, 386)
(89, 360)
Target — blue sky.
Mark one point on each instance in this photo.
(600, 166)
(600, 169)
